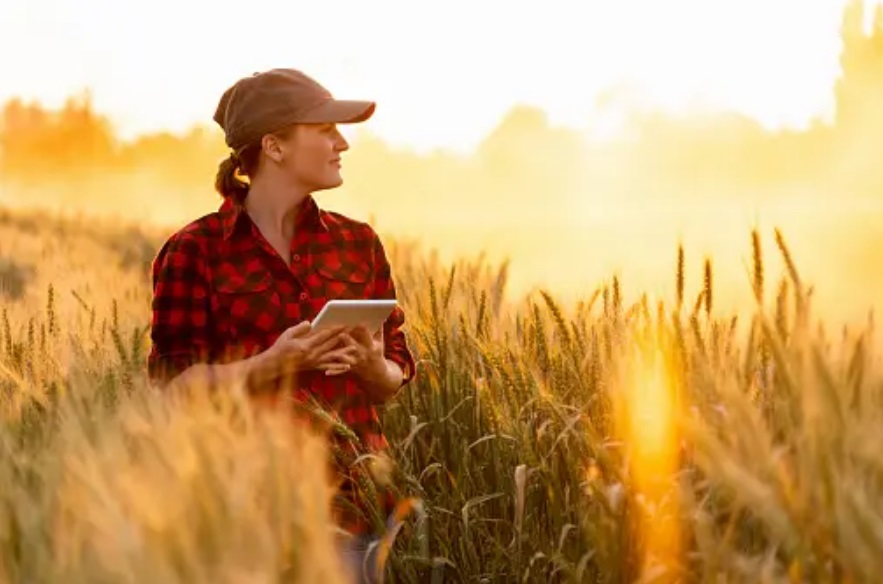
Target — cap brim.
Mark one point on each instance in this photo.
(339, 111)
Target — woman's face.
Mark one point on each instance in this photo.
(310, 156)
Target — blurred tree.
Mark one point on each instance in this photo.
(529, 160)
(190, 159)
(35, 142)
(20, 136)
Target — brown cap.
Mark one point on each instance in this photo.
(268, 101)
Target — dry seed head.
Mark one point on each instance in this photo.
(50, 309)
(680, 277)
(708, 288)
(758, 266)
(782, 309)
(606, 302)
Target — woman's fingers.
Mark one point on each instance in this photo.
(329, 334)
(361, 336)
(334, 368)
(327, 345)
(348, 340)
(346, 355)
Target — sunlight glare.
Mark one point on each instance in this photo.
(649, 426)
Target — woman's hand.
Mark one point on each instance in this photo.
(360, 353)
(364, 355)
(298, 348)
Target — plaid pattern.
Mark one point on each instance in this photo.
(221, 292)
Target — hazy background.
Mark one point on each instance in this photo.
(582, 141)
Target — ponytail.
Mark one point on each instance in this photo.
(227, 183)
(242, 162)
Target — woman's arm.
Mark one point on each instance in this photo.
(181, 324)
(400, 368)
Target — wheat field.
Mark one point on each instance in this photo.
(653, 440)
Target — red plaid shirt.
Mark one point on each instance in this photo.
(221, 292)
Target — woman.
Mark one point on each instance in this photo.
(234, 290)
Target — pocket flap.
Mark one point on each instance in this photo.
(232, 280)
(357, 273)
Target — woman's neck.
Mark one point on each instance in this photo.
(274, 209)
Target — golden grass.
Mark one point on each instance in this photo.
(604, 441)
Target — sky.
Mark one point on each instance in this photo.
(443, 73)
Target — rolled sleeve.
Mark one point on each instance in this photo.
(179, 330)
(397, 349)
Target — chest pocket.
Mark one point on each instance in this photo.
(249, 308)
(345, 281)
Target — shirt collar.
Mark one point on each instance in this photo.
(231, 213)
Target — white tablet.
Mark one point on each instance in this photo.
(351, 313)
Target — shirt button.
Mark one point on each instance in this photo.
(296, 257)
(303, 295)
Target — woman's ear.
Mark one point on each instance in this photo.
(272, 148)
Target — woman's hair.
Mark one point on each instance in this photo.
(242, 163)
